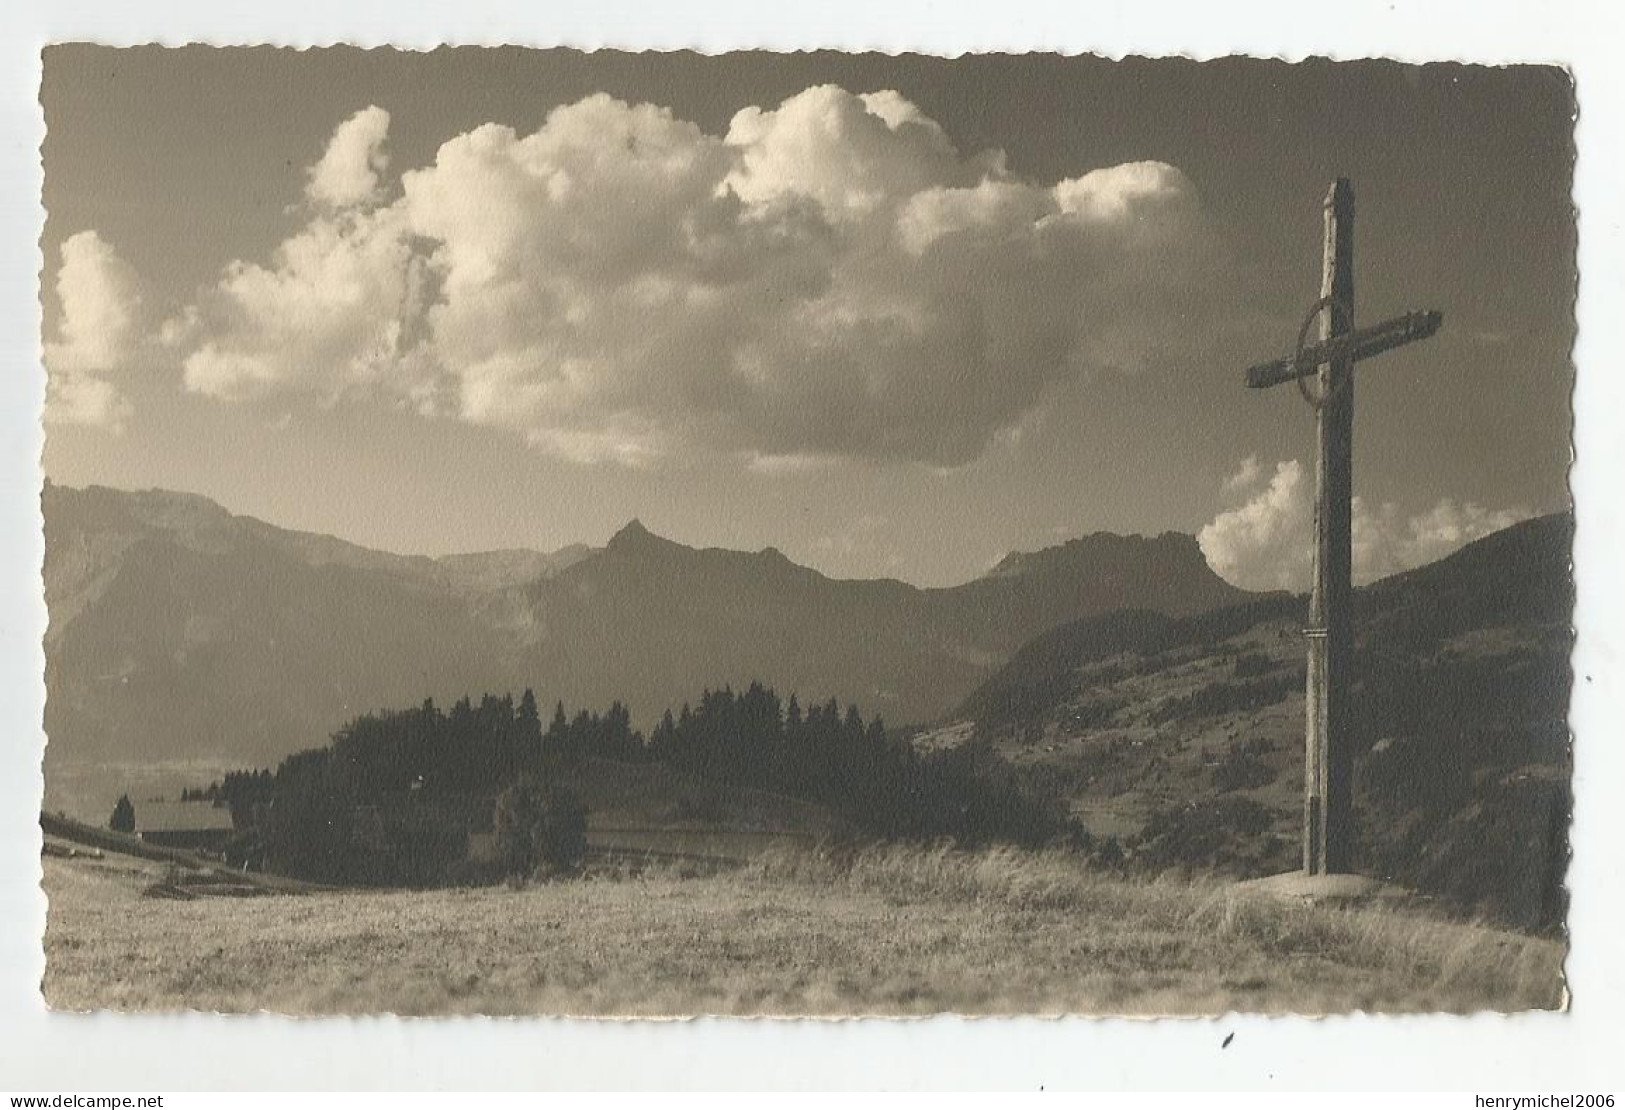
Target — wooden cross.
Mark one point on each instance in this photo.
(1328, 787)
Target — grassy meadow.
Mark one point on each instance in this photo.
(891, 931)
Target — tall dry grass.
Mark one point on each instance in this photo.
(889, 930)
(1448, 958)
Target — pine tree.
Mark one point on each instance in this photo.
(528, 728)
(123, 819)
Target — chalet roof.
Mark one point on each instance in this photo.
(181, 817)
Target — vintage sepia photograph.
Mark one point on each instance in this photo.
(620, 534)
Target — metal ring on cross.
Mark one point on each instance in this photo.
(1315, 401)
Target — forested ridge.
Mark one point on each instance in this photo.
(393, 797)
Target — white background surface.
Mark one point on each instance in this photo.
(49, 1053)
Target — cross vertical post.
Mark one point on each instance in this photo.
(1328, 759)
(1329, 752)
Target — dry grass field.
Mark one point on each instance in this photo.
(891, 932)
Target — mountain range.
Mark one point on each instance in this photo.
(179, 630)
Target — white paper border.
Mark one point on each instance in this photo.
(1579, 1050)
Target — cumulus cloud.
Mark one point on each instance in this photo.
(98, 334)
(350, 170)
(1266, 543)
(853, 155)
(1246, 475)
(829, 278)
(85, 400)
(332, 315)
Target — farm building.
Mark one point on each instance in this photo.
(194, 825)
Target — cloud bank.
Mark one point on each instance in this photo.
(829, 278)
(98, 333)
(1265, 543)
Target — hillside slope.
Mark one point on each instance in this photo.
(1183, 737)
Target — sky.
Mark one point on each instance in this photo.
(895, 316)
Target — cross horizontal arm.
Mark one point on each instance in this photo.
(1356, 345)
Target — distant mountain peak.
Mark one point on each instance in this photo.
(633, 536)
